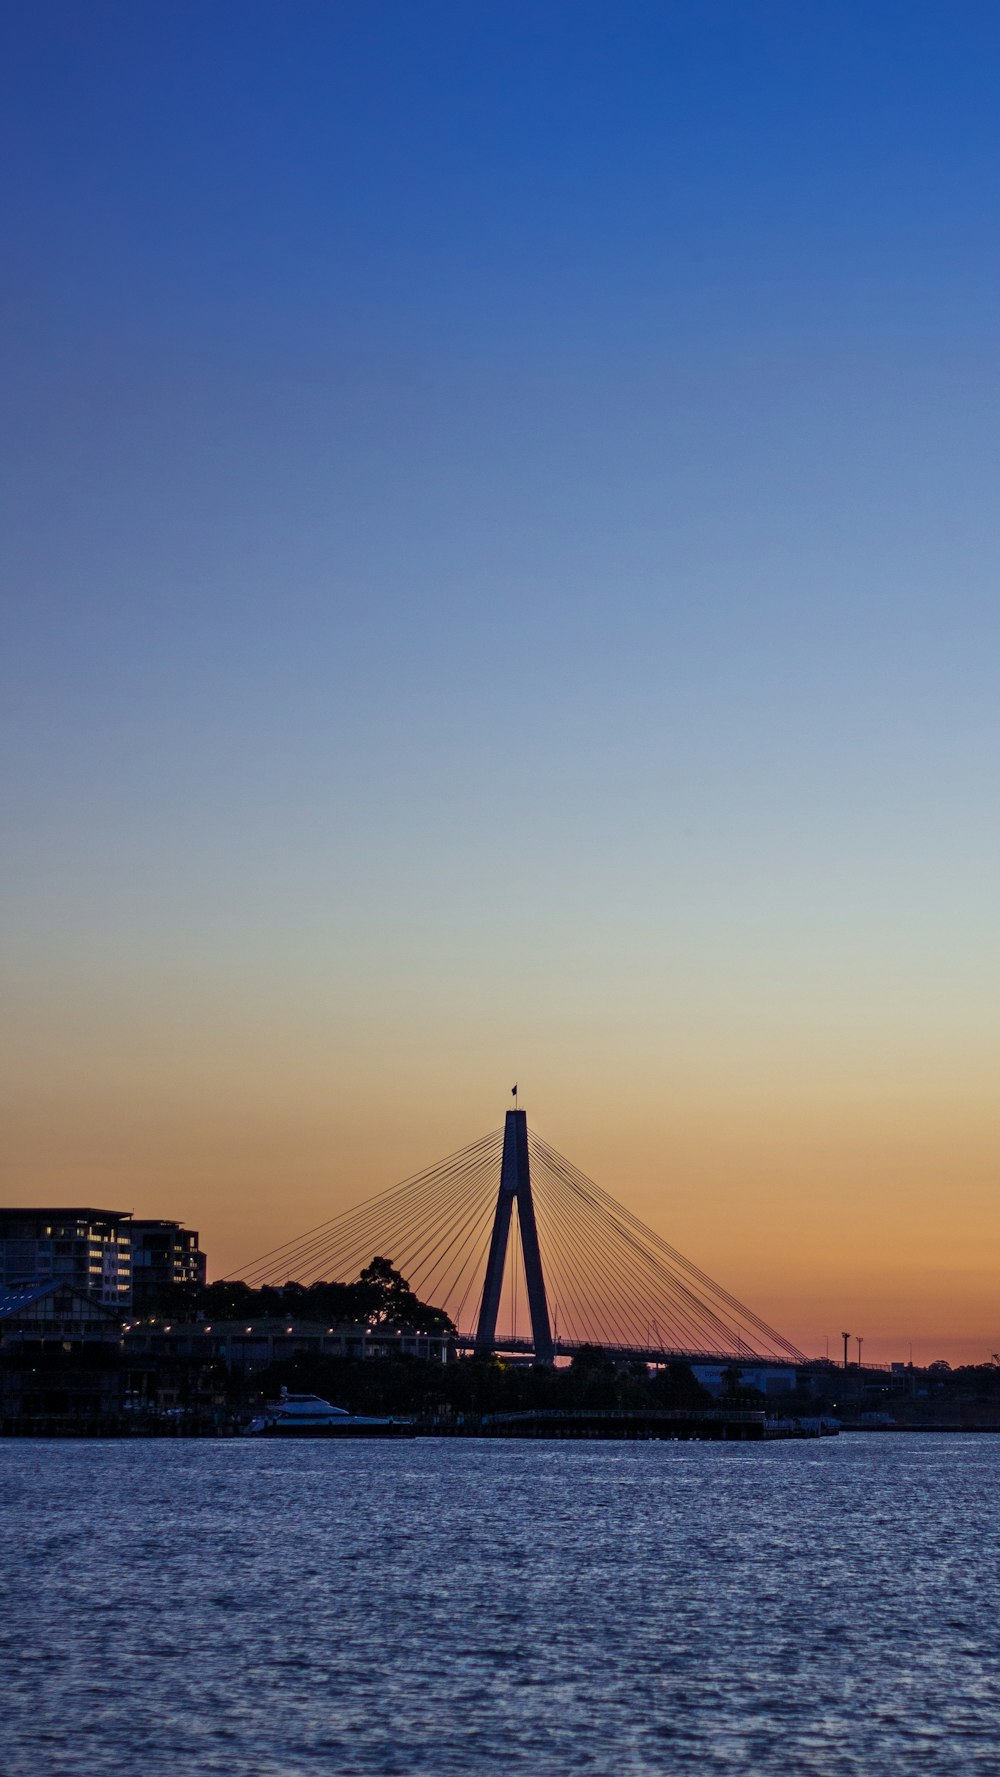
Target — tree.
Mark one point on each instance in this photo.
(386, 1299)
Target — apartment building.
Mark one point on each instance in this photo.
(88, 1248)
(164, 1254)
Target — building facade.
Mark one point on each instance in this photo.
(60, 1359)
(164, 1255)
(269, 1341)
(88, 1248)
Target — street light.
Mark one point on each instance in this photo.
(845, 1337)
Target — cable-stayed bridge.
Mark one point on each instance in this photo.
(526, 1254)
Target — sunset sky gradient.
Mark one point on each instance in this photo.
(501, 581)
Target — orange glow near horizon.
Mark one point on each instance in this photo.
(866, 1209)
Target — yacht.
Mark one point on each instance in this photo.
(309, 1416)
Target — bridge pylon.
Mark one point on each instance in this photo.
(515, 1187)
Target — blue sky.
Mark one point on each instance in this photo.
(500, 564)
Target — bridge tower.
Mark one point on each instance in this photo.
(515, 1187)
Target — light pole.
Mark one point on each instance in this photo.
(861, 1341)
(845, 1337)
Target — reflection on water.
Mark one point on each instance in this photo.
(438, 1607)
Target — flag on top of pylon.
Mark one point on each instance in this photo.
(513, 1092)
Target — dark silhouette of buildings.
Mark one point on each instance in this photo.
(122, 1261)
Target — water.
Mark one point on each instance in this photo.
(431, 1608)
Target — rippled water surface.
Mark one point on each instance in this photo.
(442, 1607)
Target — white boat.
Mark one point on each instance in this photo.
(309, 1416)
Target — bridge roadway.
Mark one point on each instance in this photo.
(650, 1354)
(643, 1354)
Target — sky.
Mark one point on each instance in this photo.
(499, 572)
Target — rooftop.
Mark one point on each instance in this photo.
(14, 1301)
(98, 1215)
